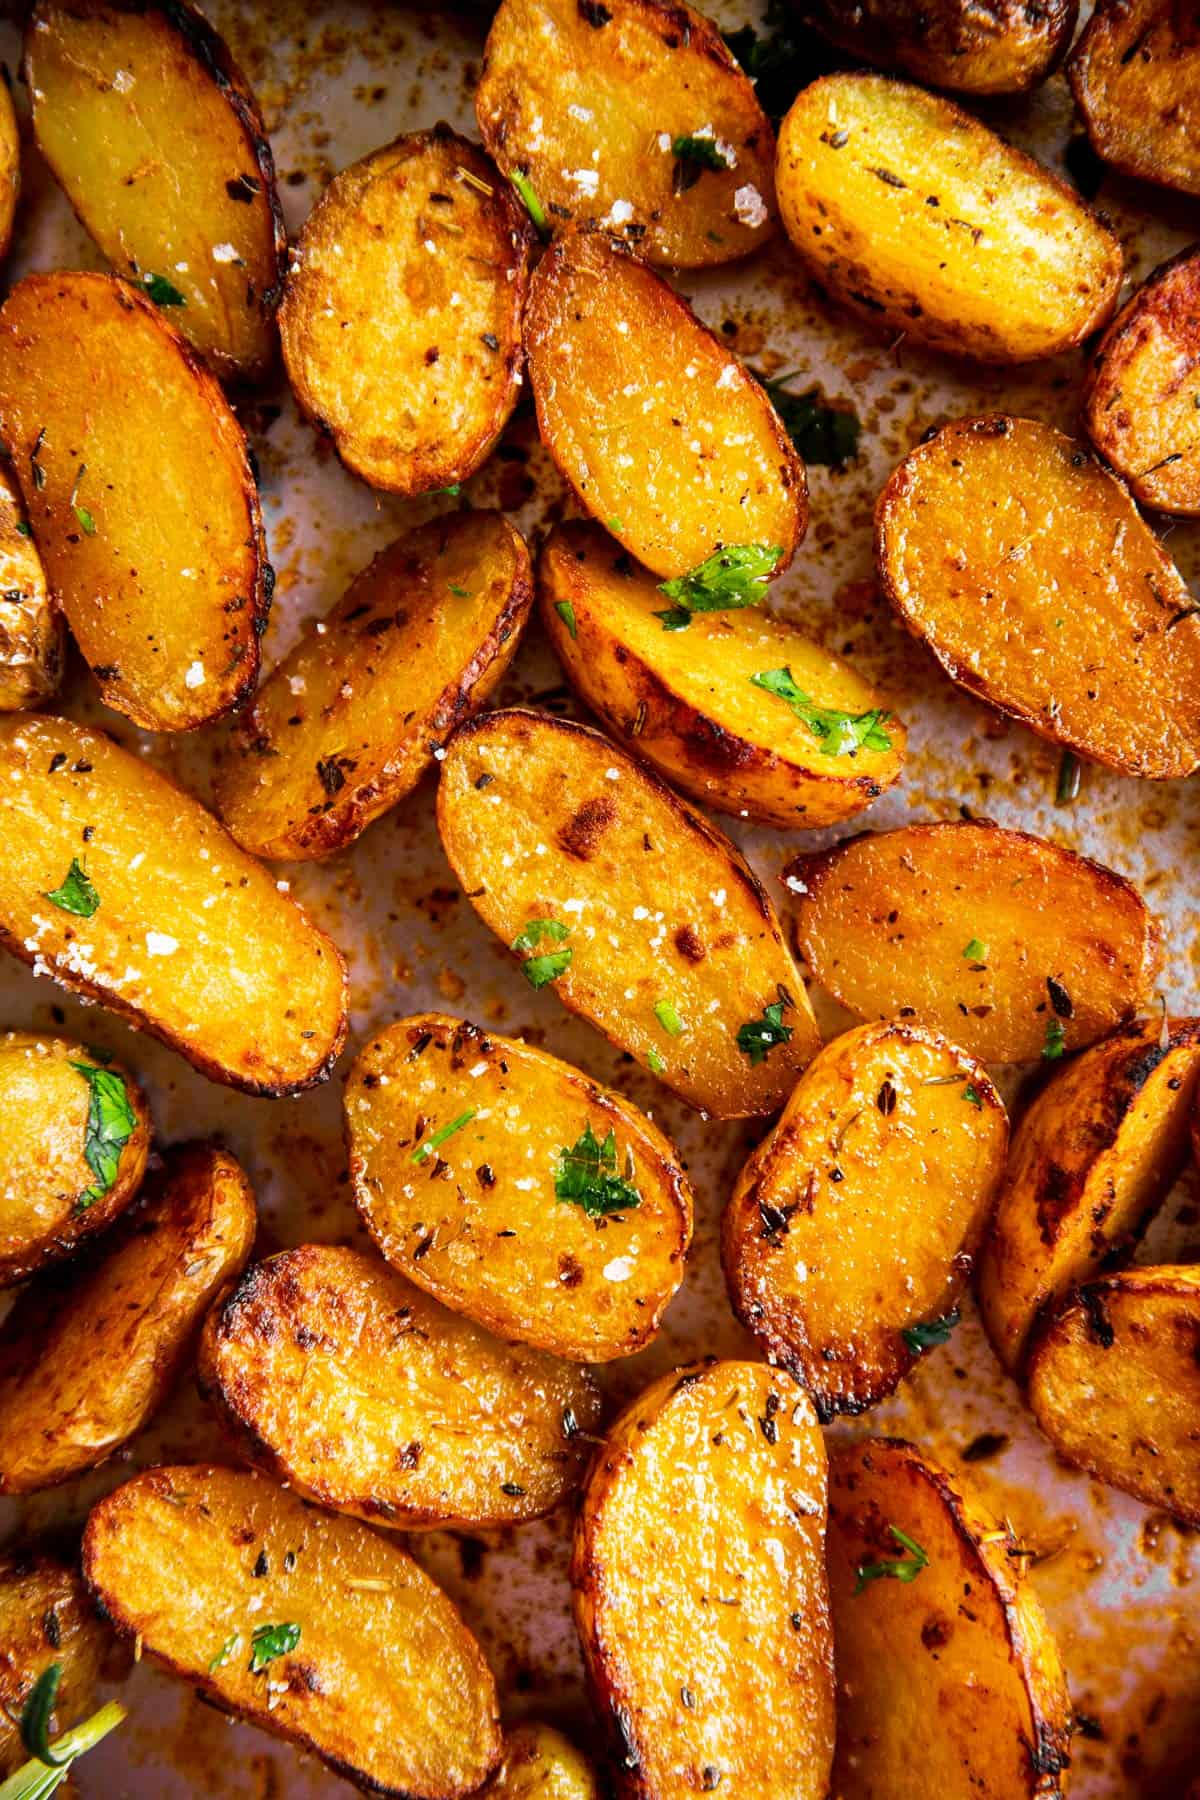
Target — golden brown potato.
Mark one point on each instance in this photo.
(854, 1225)
(539, 1764)
(348, 722)
(1015, 948)
(10, 167)
(636, 910)
(920, 220)
(76, 1131)
(699, 1588)
(364, 1395)
(121, 886)
(555, 1213)
(46, 1616)
(1029, 572)
(156, 137)
(1091, 1160)
(948, 1680)
(314, 1627)
(664, 436)
(1135, 74)
(993, 47)
(31, 625)
(89, 1354)
(401, 316)
(137, 483)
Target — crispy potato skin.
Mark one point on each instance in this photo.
(882, 921)
(46, 1616)
(652, 384)
(471, 1228)
(347, 724)
(385, 1683)
(949, 1683)
(1091, 1160)
(31, 625)
(862, 1211)
(385, 340)
(684, 700)
(997, 47)
(1135, 75)
(363, 1395)
(919, 219)
(540, 1764)
(1085, 634)
(656, 900)
(712, 1483)
(10, 168)
(44, 1106)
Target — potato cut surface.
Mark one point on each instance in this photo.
(46, 1616)
(1135, 74)
(540, 1764)
(10, 168)
(31, 625)
(999, 47)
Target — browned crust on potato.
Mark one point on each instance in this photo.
(1140, 115)
(46, 1617)
(969, 46)
(10, 167)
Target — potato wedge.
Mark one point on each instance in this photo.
(540, 1764)
(948, 1680)
(10, 167)
(999, 47)
(157, 140)
(586, 1272)
(76, 1132)
(160, 916)
(853, 1226)
(619, 363)
(364, 1395)
(89, 1354)
(1135, 74)
(699, 1588)
(138, 487)
(31, 625)
(1088, 635)
(312, 1626)
(401, 316)
(1092, 1160)
(46, 1616)
(348, 722)
(919, 219)
(636, 910)
(1013, 947)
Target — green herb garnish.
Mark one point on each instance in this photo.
(51, 1764)
(162, 291)
(111, 1122)
(727, 580)
(903, 1569)
(87, 523)
(225, 1652)
(1066, 788)
(587, 1176)
(920, 1338)
(461, 593)
(668, 1018)
(533, 205)
(821, 433)
(439, 1137)
(75, 894)
(972, 1096)
(757, 1037)
(654, 1062)
(538, 970)
(566, 613)
(975, 951)
(703, 150)
(781, 60)
(269, 1641)
(1056, 1040)
(837, 733)
(24, 529)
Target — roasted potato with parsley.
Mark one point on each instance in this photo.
(1013, 947)
(636, 910)
(516, 1189)
(948, 1680)
(663, 435)
(31, 624)
(997, 47)
(920, 220)
(401, 316)
(1135, 75)
(540, 1764)
(318, 1629)
(699, 1588)
(46, 1616)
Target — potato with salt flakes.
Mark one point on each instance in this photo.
(1013, 947)
(998, 47)
(1135, 75)
(516, 1189)
(120, 885)
(661, 432)
(314, 1627)
(540, 1764)
(31, 624)
(46, 1617)
(625, 900)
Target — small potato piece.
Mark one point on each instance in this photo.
(1092, 1160)
(618, 362)
(858, 1218)
(31, 625)
(948, 1681)
(314, 1627)
(921, 220)
(348, 723)
(189, 938)
(539, 1764)
(971, 46)
(138, 486)
(401, 317)
(480, 1225)
(10, 167)
(659, 932)
(687, 701)
(1062, 949)
(1135, 74)
(699, 1588)
(46, 1616)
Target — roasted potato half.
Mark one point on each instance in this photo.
(699, 1588)
(31, 625)
(997, 47)
(853, 1226)
(1135, 74)
(630, 904)
(46, 1616)
(1091, 1161)
(664, 436)
(10, 167)
(920, 220)
(139, 490)
(1015, 948)
(121, 886)
(349, 721)
(948, 1680)
(742, 711)
(401, 316)
(156, 137)
(552, 1210)
(315, 1627)
(540, 1764)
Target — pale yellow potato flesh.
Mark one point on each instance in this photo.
(1135, 75)
(46, 1617)
(540, 1764)
(31, 624)
(10, 167)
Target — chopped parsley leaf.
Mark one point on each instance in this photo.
(86, 520)
(758, 1037)
(111, 1122)
(1056, 1040)
(654, 1062)
(225, 1652)
(702, 150)
(587, 1176)
(932, 1331)
(727, 580)
(460, 592)
(454, 488)
(566, 613)
(822, 434)
(533, 205)
(668, 1018)
(972, 1096)
(975, 951)
(269, 1641)
(837, 733)
(24, 529)
(439, 1137)
(903, 1569)
(162, 291)
(75, 894)
(538, 970)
